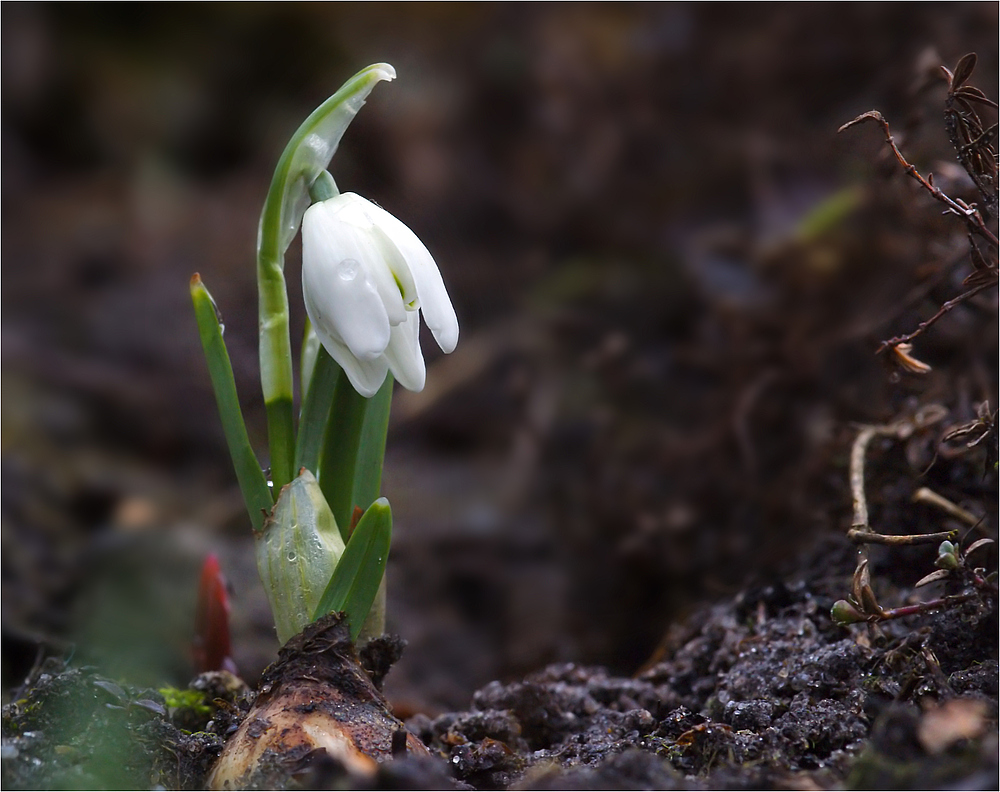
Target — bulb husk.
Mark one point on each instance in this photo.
(315, 698)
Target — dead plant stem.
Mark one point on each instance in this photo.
(970, 214)
(945, 308)
(930, 497)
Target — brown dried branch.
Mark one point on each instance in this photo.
(862, 605)
(945, 308)
(930, 497)
(974, 145)
(970, 214)
(861, 536)
(924, 417)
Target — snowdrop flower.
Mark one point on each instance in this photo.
(365, 277)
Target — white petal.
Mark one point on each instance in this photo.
(385, 283)
(340, 294)
(403, 354)
(366, 376)
(354, 212)
(395, 260)
(439, 314)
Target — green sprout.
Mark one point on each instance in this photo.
(366, 280)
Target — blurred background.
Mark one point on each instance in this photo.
(670, 271)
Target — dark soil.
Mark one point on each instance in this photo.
(759, 692)
(625, 497)
(763, 692)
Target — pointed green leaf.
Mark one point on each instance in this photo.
(307, 356)
(251, 478)
(371, 448)
(339, 458)
(356, 580)
(316, 411)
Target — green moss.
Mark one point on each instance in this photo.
(193, 700)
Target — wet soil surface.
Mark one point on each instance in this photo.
(761, 691)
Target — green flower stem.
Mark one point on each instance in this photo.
(251, 478)
(275, 359)
(324, 188)
(358, 577)
(307, 154)
(316, 412)
(280, 438)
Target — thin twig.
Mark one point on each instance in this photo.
(865, 436)
(929, 496)
(899, 429)
(859, 523)
(861, 531)
(861, 536)
(970, 214)
(954, 302)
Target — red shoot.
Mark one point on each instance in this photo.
(211, 647)
(355, 519)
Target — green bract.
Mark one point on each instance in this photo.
(297, 551)
(308, 154)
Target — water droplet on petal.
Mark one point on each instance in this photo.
(292, 557)
(348, 269)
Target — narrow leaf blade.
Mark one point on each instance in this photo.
(356, 580)
(339, 458)
(371, 448)
(316, 411)
(307, 356)
(964, 69)
(251, 478)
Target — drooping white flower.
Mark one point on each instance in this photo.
(365, 279)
